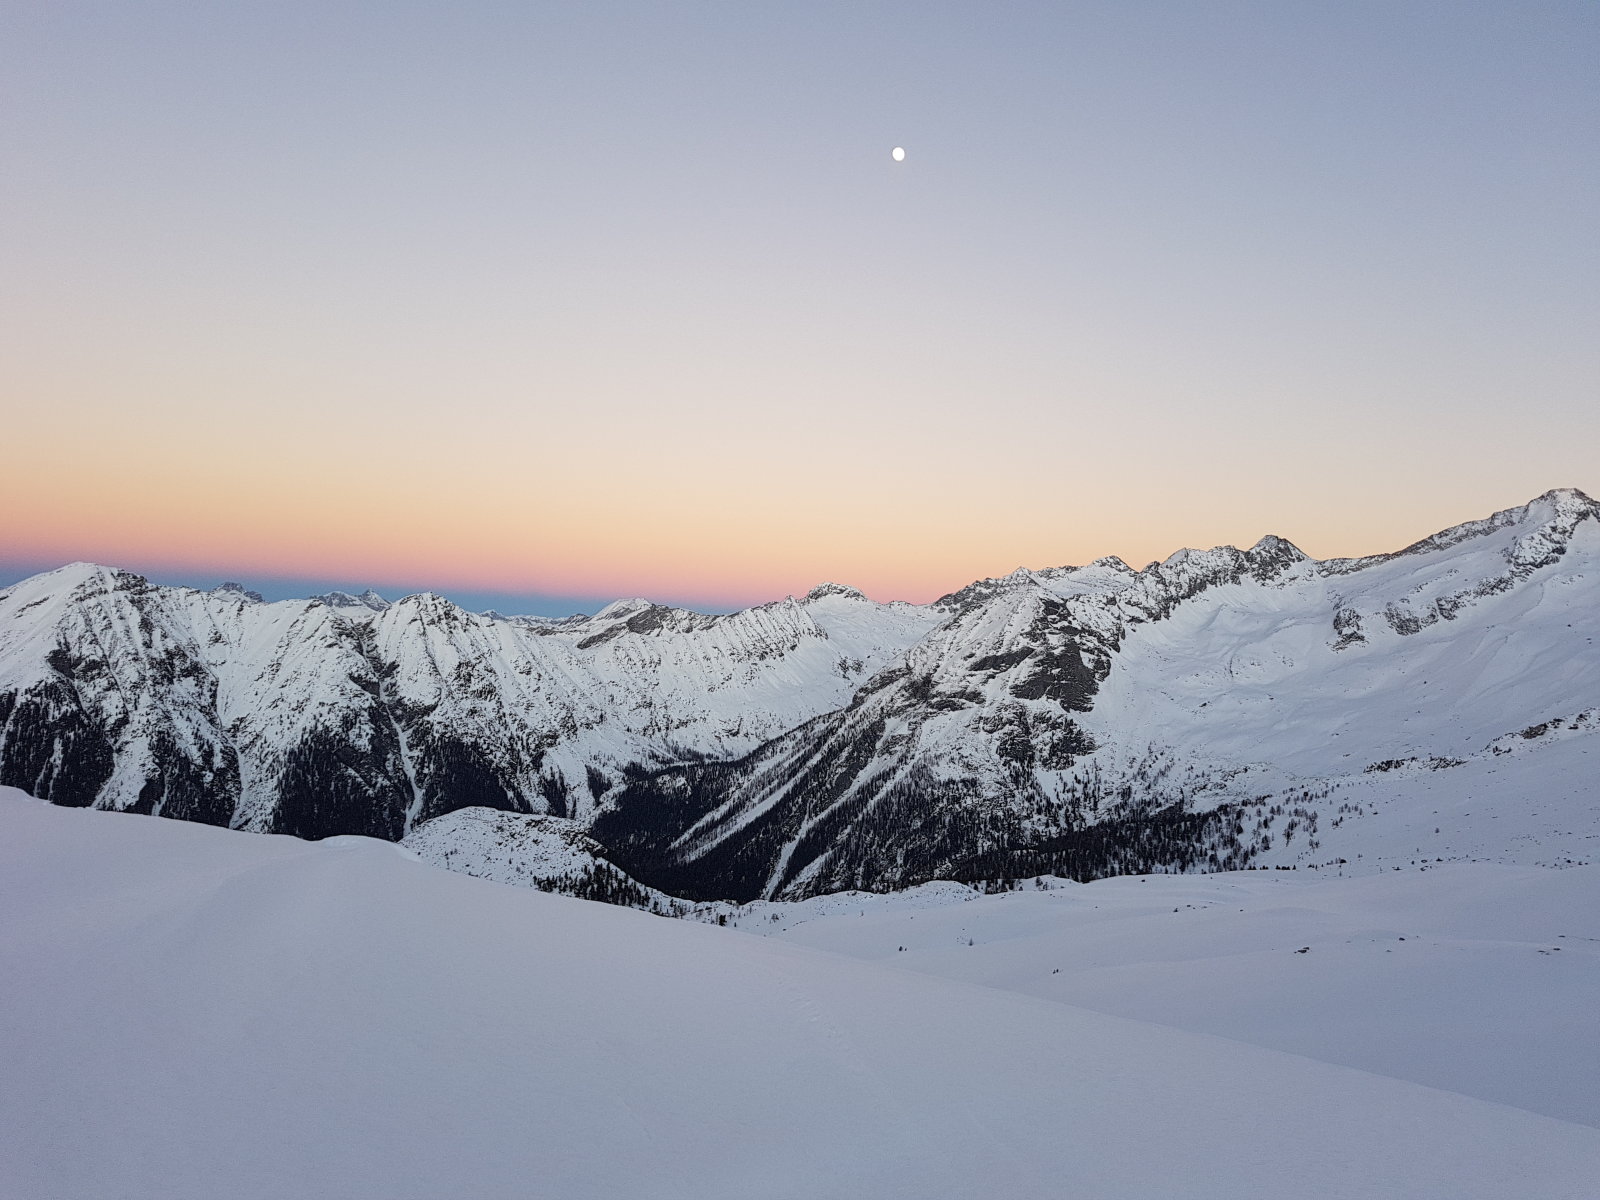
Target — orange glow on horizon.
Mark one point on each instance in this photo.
(716, 506)
(721, 557)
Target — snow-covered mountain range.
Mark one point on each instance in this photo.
(1221, 708)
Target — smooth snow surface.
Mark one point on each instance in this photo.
(1478, 978)
(192, 1012)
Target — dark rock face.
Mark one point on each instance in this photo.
(906, 832)
(332, 786)
(452, 773)
(53, 749)
(180, 787)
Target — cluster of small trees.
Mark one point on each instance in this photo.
(606, 884)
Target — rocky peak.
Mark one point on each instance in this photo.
(238, 589)
(367, 599)
(1111, 562)
(824, 590)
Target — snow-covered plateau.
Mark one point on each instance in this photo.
(188, 1013)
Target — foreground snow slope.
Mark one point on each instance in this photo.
(1473, 977)
(191, 1012)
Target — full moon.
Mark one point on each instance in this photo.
(898, 154)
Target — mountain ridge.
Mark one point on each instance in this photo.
(810, 744)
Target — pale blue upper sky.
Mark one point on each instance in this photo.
(1254, 264)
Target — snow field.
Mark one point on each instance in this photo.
(192, 1012)
(1477, 978)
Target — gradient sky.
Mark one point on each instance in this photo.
(550, 303)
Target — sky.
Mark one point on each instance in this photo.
(536, 305)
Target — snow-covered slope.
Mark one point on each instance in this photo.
(1476, 978)
(189, 1013)
(1438, 650)
(552, 854)
(1217, 709)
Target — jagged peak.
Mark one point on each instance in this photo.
(79, 569)
(1569, 500)
(619, 610)
(430, 604)
(61, 581)
(1111, 562)
(367, 599)
(1018, 581)
(1561, 506)
(535, 623)
(980, 590)
(636, 616)
(77, 573)
(230, 588)
(1269, 548)
(823, 590)
(1555, 512)
(1272, 544)
(1188, 554)
(1577, 495)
